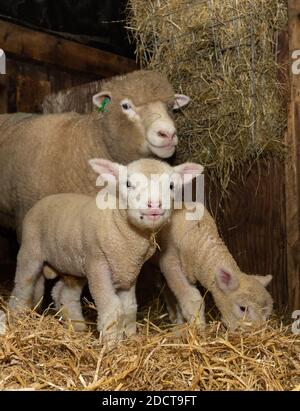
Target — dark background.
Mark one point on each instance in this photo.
(93, 22)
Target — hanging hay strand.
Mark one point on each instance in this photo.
(223, 54)
(39, 353)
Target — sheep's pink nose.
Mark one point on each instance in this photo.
(154, 204)
(167, 134)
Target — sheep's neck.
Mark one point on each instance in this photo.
(84, 143)
(209, 254)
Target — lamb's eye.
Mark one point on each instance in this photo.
(126, 106)
(172, 186)
(128, 183)
(242, 308)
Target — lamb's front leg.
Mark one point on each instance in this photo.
(189, 298)
(29, 268)
(110, 310)
(128, 299)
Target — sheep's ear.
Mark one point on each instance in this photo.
(186, 172)
(99, 98)
(226, 281)
(102, 166)
(181, 100)
(263, 279)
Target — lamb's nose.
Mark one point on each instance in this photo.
(167, 134)
(154, 204)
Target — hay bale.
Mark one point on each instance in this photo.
(223, 54)
(38, 352)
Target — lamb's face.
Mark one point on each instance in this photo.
(149, 191)
(146, 188)
(243, 299)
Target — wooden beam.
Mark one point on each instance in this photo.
(292, 169)
(41, 47)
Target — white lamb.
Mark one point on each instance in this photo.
(108, 246)
(193, 251)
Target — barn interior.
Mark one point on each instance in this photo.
(252, 190)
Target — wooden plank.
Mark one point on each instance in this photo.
(292, 168)
(45, 48)
(251, 220)
(31, 93)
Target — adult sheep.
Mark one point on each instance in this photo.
(48, 154)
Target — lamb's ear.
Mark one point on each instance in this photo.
(181, 100)
(100, 97)
(263, 279)
(186, 172)
(226, 281)
(102, 166)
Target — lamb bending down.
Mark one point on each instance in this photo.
(193, 251)
(48, 154)
(108, 246)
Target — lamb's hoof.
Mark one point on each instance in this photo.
(111, 339)
(130, 329)
(79, 326)
(111, 334)
(197, 324)
(16, 305)
(201, 326)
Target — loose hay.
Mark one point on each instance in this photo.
(39, 353)
(222, 53)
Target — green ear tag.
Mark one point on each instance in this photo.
(104, 104)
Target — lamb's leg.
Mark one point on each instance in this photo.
(174, 311)
(189, 298)
(128, 299)
(29, 268)
(66, 296)
(39, 291)
(110, 310)
(56, 294)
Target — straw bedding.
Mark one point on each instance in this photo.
(224, 55)
(221, 53)
(39, 353)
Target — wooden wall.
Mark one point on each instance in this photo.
(26, 84)
(292, 169)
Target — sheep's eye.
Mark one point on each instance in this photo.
(172, 186)
(126, 106)
(128, 183)
(242, 308)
